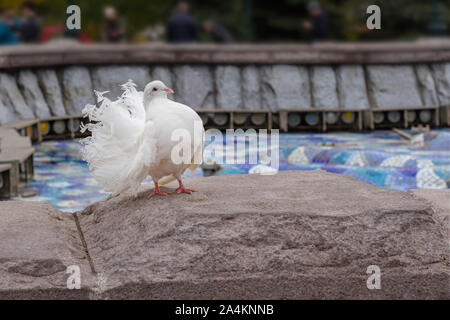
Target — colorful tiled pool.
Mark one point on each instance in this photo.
(381, 158)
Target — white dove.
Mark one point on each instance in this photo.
(142, 134)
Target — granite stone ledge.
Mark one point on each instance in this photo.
(311, 235)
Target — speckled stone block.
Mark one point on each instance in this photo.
(194, 86)
(285, 87)
(309, 236)
(38, 244)
(324, 87)
(352, 87)
(228, 84)
(48, 81)
(441, 72)
(393, 86)
(12, 98)
(6, 112)
(427, 85)
(28, 83)
(251, 88)
(77, 88)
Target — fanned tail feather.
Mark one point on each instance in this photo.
(117, 129)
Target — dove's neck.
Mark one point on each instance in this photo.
(153, 100)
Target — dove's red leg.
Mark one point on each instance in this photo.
(182, 189)
(157, 191)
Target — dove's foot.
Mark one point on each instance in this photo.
(182, 189)
(157, 191)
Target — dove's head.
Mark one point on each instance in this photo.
(156, 89)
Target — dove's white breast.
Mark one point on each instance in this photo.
(167, 116)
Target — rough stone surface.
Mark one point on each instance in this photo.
(228, 84)
(7, 114)
(440, 201)
(251, 88)
(311, 235)
(77, 88)
(28, 82)
(441, 72)
(194, 86)
(285, 87)
(48, 81)
(37, 245)
(109, 78)
(393, 86)
(12, 97)
(426, 85)
(352, 87)
(163, 74)
(331, 53)
(324, 90)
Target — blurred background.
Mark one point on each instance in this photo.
(326, 99)
(139, 21)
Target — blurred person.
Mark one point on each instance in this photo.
(112, 30)
(181, 26)
(8, 16)
(217, 31)
(30, 29)
(317, 26)
(58, 32)
(156, 33)
(7, 36)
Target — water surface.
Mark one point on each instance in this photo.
(381, 158)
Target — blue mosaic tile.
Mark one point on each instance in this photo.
(381, 158)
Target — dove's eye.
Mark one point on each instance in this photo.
(154, 89)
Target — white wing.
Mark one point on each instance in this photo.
(115, 147)
(145, 155)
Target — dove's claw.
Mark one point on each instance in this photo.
(157, 191)
(182, 189)
(160, 193)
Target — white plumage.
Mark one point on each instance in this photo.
(134, 137)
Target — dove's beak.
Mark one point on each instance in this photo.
(168, 90)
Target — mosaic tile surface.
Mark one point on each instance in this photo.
(381, 158)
